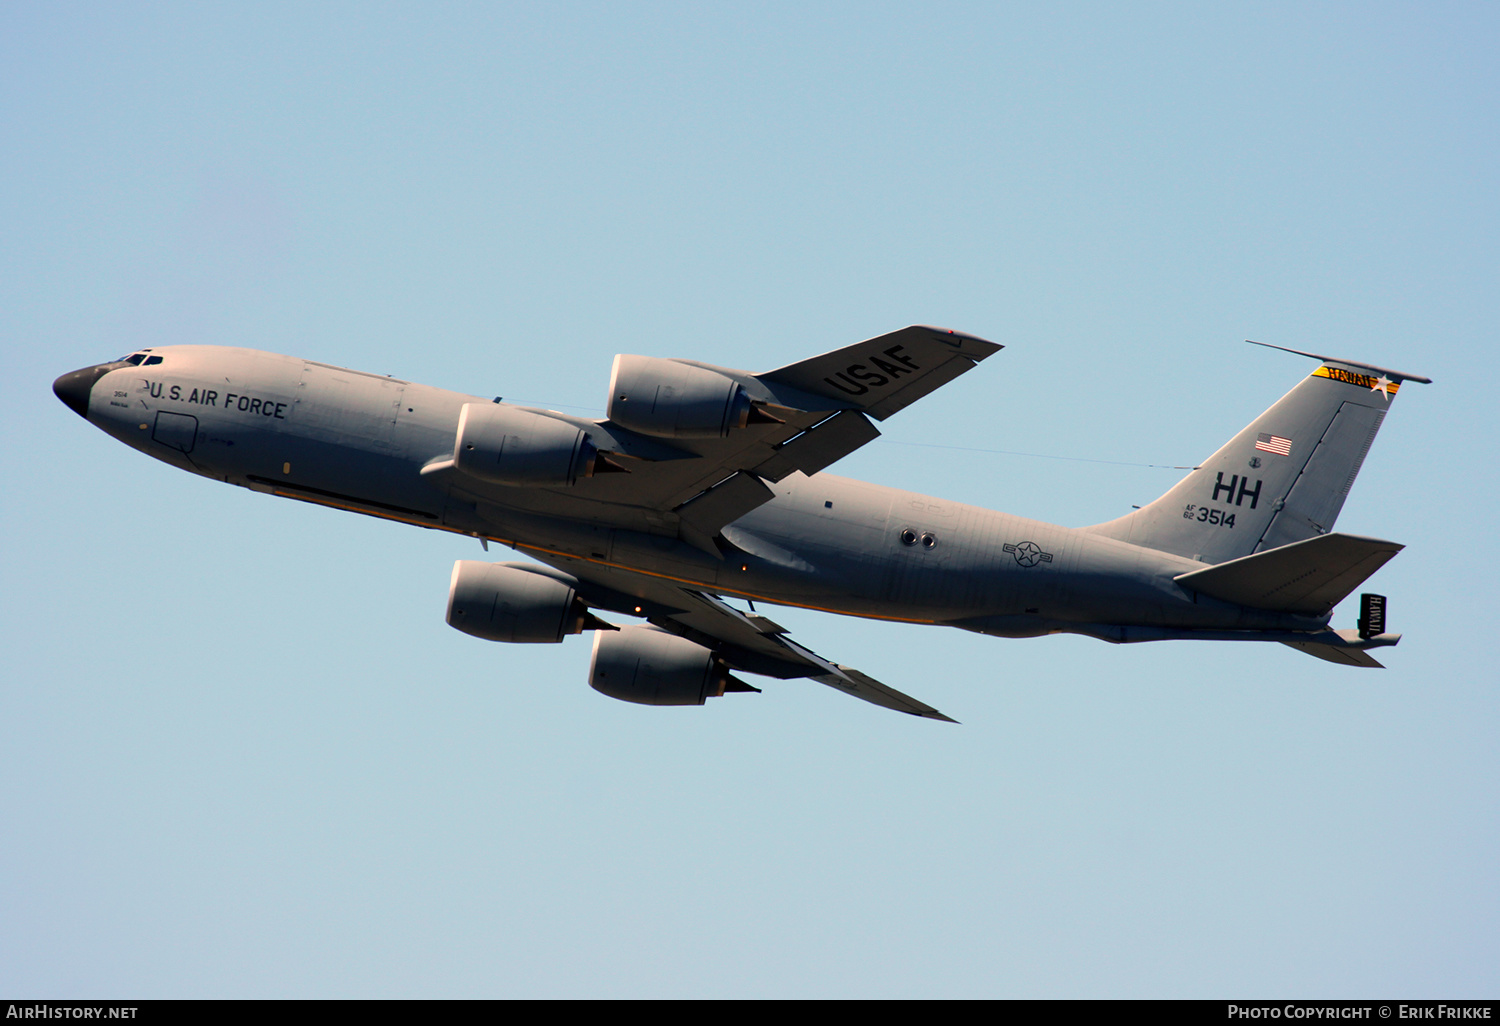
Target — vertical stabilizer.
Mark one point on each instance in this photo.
(1282, 479)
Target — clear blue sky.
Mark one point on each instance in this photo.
(244, 756)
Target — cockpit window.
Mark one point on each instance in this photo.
(134, 358)
(150, 360)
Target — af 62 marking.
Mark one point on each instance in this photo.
(1208, 515)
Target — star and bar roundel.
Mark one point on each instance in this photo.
(1028, 553)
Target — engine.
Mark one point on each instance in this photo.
(503, 602)
(652, 667)
(667, 399)
(515, 447)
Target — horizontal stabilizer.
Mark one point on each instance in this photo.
(1345, 647)
(1307, 577)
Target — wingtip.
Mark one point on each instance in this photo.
(935, 715)
(958, 338)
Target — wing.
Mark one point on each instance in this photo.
(715, 624)
(745, 641)
(671, 462)
(882, 375)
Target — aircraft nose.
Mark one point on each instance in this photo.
(74, 387)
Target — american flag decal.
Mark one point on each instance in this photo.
(1273, 443)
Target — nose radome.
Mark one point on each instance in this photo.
(73, 388)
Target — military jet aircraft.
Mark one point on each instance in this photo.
(704, 483)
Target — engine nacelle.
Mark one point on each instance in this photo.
(651, 667)
(515, 447)
(498, 602)
(667, 399)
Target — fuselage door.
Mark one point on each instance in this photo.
(175, 430)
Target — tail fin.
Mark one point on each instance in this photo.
(1281, 480)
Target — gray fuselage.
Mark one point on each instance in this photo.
(358, 441)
